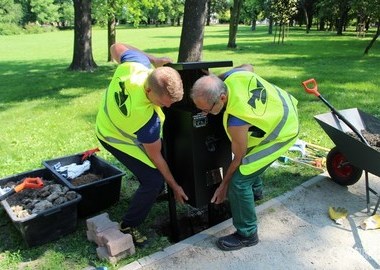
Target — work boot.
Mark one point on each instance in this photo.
(236, 241)
(139, 240)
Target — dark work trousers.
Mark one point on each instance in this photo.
(241, 199)
(151, 184)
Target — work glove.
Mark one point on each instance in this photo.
(73, 170)
(338, 214)
(371, 223)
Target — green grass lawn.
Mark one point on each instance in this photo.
(47, 111)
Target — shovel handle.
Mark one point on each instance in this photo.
(313, 89)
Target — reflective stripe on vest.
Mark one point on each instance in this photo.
(261, 154)
(116, 125)
(266, 107)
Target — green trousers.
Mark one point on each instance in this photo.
(241, 199)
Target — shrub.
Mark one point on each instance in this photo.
(36, 29)
(7, 29)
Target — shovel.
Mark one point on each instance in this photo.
(29, 182)
(311, 87)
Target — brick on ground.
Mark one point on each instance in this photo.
(103, 255)
(117, 242)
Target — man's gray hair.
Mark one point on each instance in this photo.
(209, 88)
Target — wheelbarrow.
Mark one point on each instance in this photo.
(352, 154)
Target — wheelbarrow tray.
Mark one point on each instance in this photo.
(355, 151)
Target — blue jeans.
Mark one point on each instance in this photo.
(151, 184)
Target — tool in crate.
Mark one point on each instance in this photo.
(28, 182)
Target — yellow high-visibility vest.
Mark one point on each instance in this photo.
(271, 110)
(125, 109)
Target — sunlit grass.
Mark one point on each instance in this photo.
(47, 111)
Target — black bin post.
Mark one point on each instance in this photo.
(196, 147)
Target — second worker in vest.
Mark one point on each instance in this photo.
(261, 121)
(129, 126)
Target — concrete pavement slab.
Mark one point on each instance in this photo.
(295, 232)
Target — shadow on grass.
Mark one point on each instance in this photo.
(31, 80)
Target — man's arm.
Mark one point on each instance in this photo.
(153, 151)
(239, 142)
(118, 49)
(243, 67)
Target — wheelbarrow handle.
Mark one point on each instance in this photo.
(313, 89)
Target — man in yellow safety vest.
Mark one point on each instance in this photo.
(261, 120)
(129, 126)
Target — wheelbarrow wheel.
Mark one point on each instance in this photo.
(340, 169)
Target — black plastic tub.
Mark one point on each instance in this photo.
(97, 195)
(48, 225)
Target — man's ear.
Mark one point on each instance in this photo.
(223, 97)
(148, 90)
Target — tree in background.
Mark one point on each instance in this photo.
(107, 12)
(374, 6)
(65, 12)
(250, 12)
(216, 8)
(175, 12)
(282, 11)
(234, 23)
(194, 20)
(267, 13)
(335, 13)
(45, 11)
(307, 7)
(10, 12)
(82, 56)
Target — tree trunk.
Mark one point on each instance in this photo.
(208, 20)
(306, 19)
(111, 25)
(374, 38)
(270, 27)
(194, 18)
(322, 25)
(310, 19)
(234, 23)
(253, 25)
(82, 57)
(342, 21)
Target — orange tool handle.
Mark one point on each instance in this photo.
(30, 182)
(313, 89)
(89, 153)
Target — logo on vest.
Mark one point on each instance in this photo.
(121, 98)
(258, 100)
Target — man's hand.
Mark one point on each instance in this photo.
(160, 61)
(220, 194)
(179, 195)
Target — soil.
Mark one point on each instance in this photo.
(191, 221)
(86, 179)
(372, 138)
